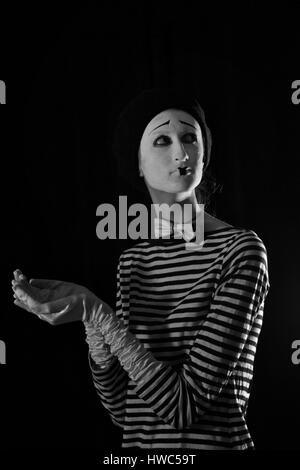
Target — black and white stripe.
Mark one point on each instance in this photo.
(200, 314)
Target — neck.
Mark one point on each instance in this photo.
(165, 200)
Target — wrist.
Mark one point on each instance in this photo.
(98, 349)
(94, 309)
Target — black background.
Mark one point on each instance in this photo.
(68, 73)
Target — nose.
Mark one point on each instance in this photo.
(180, 154)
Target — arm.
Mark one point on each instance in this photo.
(60, 302)
(111, 387)
(110, 379)
(181, 397)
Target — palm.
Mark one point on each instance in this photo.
(35, 297)
(45, 296)
(56, 301)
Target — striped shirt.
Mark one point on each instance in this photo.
(199, 315)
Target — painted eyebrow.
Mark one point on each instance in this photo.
(188, 124)
(167, 122)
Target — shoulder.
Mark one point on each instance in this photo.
(239, 236)
(212, 223)
(246, 247)
(246, 259)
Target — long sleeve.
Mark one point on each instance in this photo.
(111, 385)
(110, 379)
(99, 351)
(180, 396)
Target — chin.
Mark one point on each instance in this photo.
(178, 188)
(183, 185)
(173, 187)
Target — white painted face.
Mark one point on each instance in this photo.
(172, 139)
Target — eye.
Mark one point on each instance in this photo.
(189, 138)
(162, 140)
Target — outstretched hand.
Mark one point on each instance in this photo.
(56, 302)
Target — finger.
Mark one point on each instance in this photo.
(44, 318)
(43, 283)
(20, 292)
(19, 297)
(25, 307)
(48, 310)
(17, 272)
(22, 277)
(20, 281)
(16, 275)
(20, 304)
(32, 307)
(19, 275)
(25, 295)
(58, 307)
(21, 288)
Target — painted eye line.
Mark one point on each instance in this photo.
(168, 138)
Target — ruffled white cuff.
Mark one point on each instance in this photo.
(99, 350)
(135, 359)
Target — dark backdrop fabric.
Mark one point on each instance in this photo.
(68, 74)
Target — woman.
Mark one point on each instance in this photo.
(173, 365)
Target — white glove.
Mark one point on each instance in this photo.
(57, 302)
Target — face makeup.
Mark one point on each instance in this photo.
(171, 152)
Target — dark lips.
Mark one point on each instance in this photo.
(184, 169)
